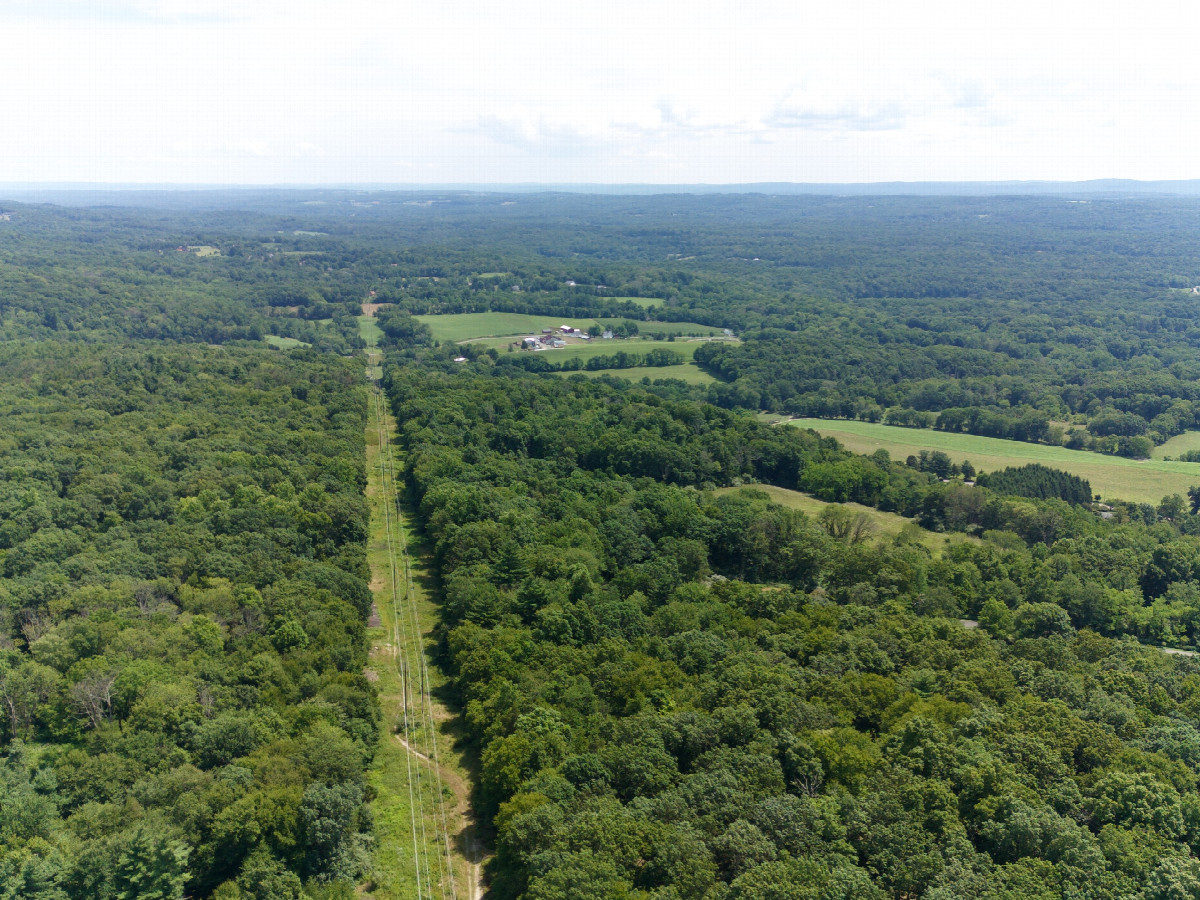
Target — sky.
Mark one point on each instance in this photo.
(625, 91)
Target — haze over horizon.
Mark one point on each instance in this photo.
(210, 92)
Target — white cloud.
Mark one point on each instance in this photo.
(267, 90)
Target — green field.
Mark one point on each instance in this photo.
(1113, 477)
(476, 326)
(689, 372)
(284, 343)
(369, 329)
(1181, 443)
(468, 326)
(885, 524)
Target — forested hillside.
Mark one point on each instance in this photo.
(670, 686)
(682, 695)
(182, 603)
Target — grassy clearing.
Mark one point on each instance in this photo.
(468, 326)
(1113, 477)
(1181, 443)
(402, 782)
(406, 782)
(369, 329)
(885, 525)
(477, 326)
(689, 372)
(284, 343)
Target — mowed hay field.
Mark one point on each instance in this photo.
(500, 331)
(1181, 443)
(473, 326)
(686, 349)
(1113, 477)
(469, 326)
(884, 524)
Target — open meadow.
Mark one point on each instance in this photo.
(1178, 445)
(475, 326)
(686, 349)
(284, 343)
(1113, 477)
(470, 326)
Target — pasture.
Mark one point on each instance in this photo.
(475, 327)
(1113, 477)
(470, 326)
(1181, 443)
(686, 349)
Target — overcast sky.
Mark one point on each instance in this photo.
(268, 91)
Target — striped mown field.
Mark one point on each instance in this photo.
(1113, 477)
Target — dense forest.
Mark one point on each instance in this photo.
(672, 685)
(678, 693)
(182, 604)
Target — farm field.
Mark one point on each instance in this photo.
(1113, 477)
(475, 326)
(886, 524)
(468, 326)
(686, 349)
(689, 372)
(1181, 443)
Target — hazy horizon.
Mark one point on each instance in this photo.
(1190, 185)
